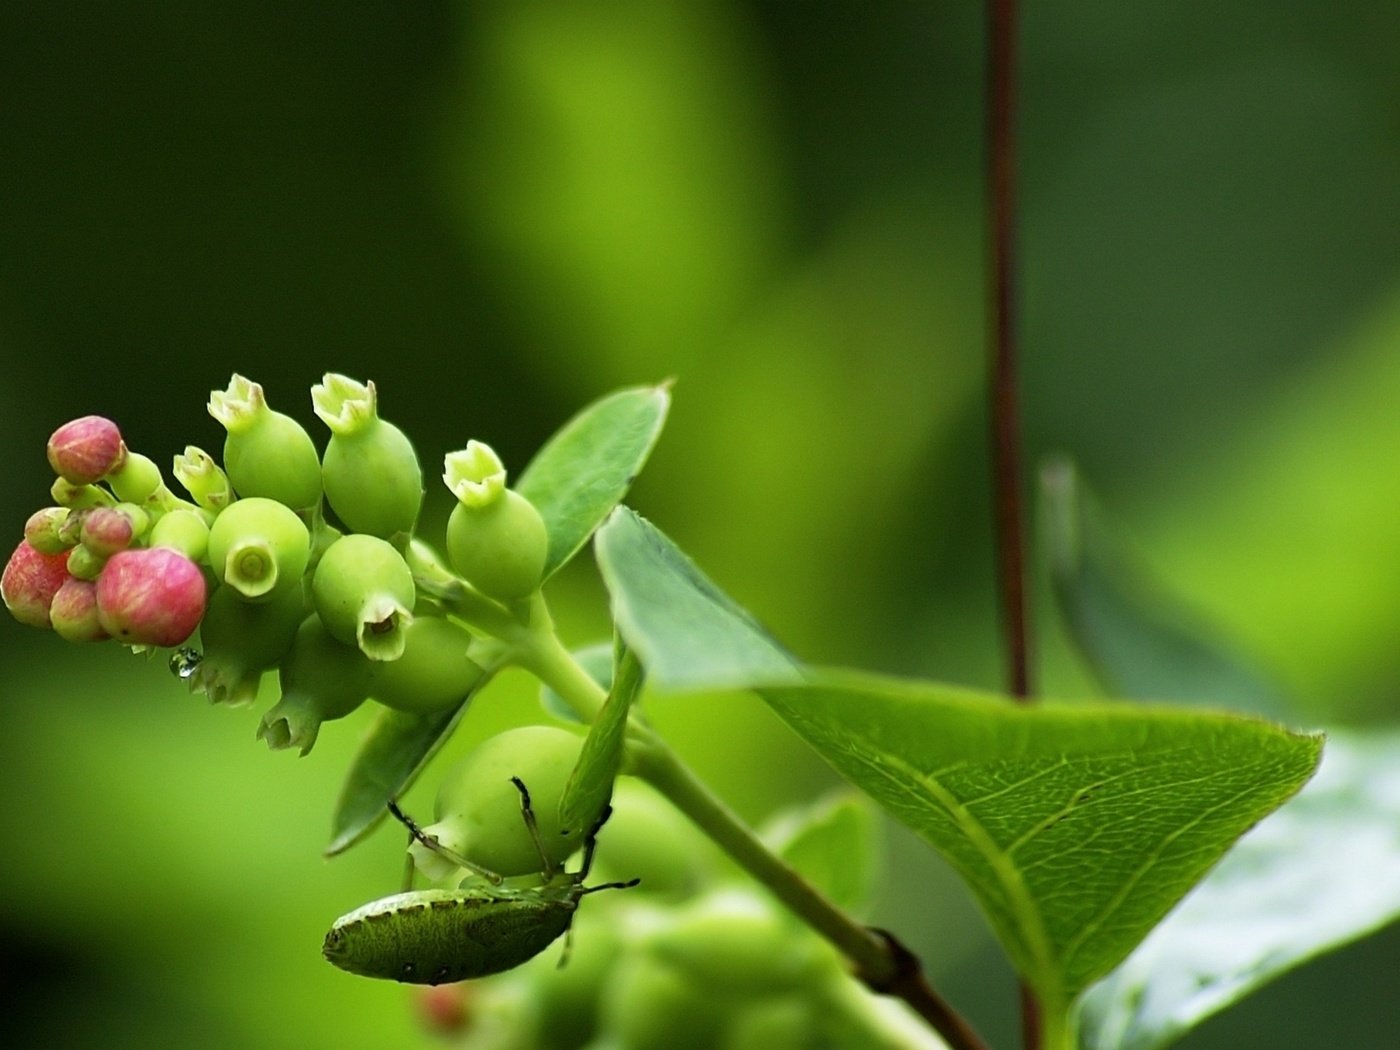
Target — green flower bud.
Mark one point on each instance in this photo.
(496, 538)
(77, 497)
(363, 590)
(266, 453)
(45, 530)
(370, 473)
(203, 479)
(185, 531)
(478, 807)
(434, 672)
(782, 1023)
(84, 563)
(137, 479)
(321, 680)
(258, 545)
(242, 640)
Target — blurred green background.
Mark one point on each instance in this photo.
(500, 211)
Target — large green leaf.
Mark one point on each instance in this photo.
(1322, 871)
(688, 633)
(396, 747)
(1077, 826)
(1137, 639)
(586, 468)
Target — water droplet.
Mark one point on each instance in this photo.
(185, 662)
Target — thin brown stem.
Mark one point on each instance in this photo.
(1002, 25)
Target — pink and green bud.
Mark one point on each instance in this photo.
(257, 546)
(241, 640)
(266, 453)
(45, 530)
(434, 672)
(203, 479)
(363, 591)
(137, 479)
(74, 612)
(182, 530)
(370, 471)
(30, 581)
(321, 680)
(80, 497)
(496, 538)
(106, 530)
(86, 450)
(150, 596)
(84, 563)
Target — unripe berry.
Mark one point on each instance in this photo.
(363, 591)
(30, 581)
(150, 596)
(370, 472)
(257, 545)
(496, 538)
(84, 563)
(266, 453)
(321, 680)
(181, 530)
(137, 479)
(74, 612)
(85, 450)
(241, 640)
(648, 1005)
(479, 808)
(434, 672)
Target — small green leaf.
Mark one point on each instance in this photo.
(833, 844)
(585, 469)
(1323, 871)
(1077, 826)
(597, 662)
(688, 633)
(590, 784)
(1134, 636)
(397, 746)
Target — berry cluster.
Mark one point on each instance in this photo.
(255, 561)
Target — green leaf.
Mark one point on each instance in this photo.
(597, 662)
(1322, 871)
(688, 633)
(397, 746)
(585, 469)
(833, 844)
(1137, 640)
(1077, 826)
(590, 785)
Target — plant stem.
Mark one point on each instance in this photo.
(880, 961)
(1002, 24)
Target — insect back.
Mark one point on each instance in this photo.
(438, 936)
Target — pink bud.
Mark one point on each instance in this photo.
(106, 530)
(150, 596)
(30, 581)
(74, 612)
(84, 450)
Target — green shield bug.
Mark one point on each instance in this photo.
(438, 936)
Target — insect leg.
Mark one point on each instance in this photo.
(527, 813)
(430, 842)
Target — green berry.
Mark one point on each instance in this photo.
(370, 472)
(647, 838)
(434, 672)
(648, 1005)
(363, 590)
(266, 453)
(496, 538)
(137, 479)
(185, 531)
(203, 479)
(321, 680)
(242, 640)
(479, 808)
(258, 545)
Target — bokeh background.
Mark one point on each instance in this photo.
(499, 211)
